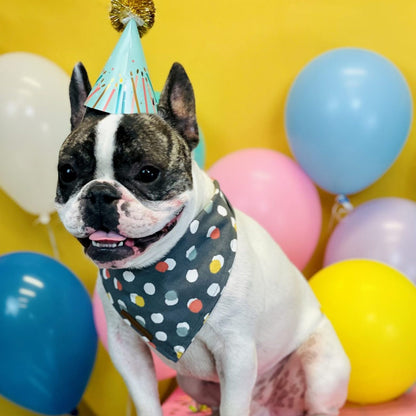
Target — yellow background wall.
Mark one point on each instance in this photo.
(242, 57)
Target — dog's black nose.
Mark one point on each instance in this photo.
(100, 206)
(102, 194)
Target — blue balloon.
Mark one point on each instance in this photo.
(347, 117)
(48, 340)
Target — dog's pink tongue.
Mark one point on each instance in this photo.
(103, 236)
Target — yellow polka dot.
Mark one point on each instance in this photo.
(139, 301)
(179, 354)
(215, 266)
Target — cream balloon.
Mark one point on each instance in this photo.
(34, 119)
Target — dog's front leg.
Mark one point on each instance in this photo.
(133, 360)
(237, 371)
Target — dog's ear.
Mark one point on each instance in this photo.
(177, 105)
(79, 88)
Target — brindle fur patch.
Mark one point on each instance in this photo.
(143, 140)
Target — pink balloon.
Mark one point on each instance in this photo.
(163, 371)
(271, 188)
(99, 319)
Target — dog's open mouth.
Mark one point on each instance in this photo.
(104, 247)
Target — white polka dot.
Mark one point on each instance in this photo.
(127, 322)
(222, 211)
(122, 305)
(171, 263)
(140, 320)
(179, 349)
(157, 318)
(214, 289)
(192, 275)
(128, 276)
(161, 336)
(233, 245)
(193, 228)
(149, 288)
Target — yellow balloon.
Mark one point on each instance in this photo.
(373, 309)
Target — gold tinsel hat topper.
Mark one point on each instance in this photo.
(124, 85)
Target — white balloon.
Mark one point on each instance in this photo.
(34, 120)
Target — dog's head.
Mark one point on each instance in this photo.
(125, 179)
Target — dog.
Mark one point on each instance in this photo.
(130, 192)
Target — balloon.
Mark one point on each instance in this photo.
(373, 308)
(347, 117)
(9, 408)
(163, 371)
(47, 335)
(271, 188)
(381, 229)
(403, 406)
(34, 116)
(99, 319)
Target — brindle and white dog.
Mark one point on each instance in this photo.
(128, 191)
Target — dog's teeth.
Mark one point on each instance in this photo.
(121, 244)
(107, 245)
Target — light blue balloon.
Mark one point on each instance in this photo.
(347, 117)
(48, 340)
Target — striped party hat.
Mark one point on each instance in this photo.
(124, 85)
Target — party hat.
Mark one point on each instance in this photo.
(124, 85)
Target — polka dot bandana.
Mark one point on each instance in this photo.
(168, 303)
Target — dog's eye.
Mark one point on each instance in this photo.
(67, 174)
(148, 174)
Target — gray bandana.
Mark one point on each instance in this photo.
(168, 303)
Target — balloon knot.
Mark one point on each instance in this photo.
(341, 208)
(44, 219)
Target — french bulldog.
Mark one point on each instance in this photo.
(130, 192)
